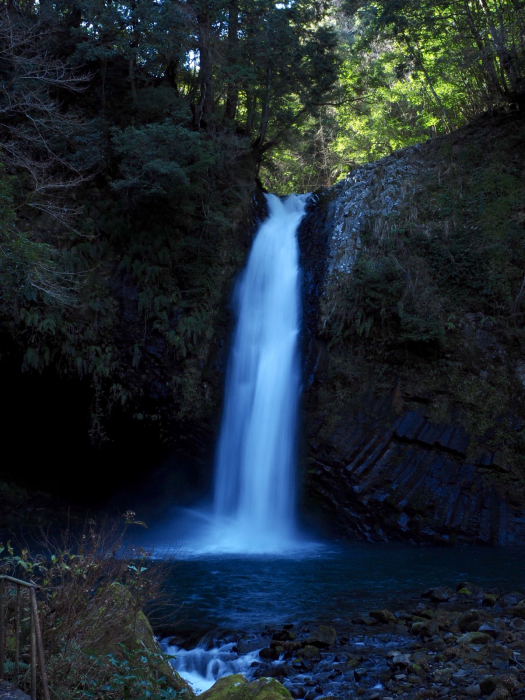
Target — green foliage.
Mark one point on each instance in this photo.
(93, 590)
(135, 673)
(381, 305)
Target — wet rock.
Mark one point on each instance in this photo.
(360, 673)
(467, 619)
(418, 670)
(284, 635)
(441, 594)
(488, 685)
(519, 610)
(475, 638)
(323, 637)
(364, 620)
(269, 653)
(236, 687)
(311, 653)
(354, 660)
(464, 591)
(250, 642)
(511, 599)
(383, 616)
(500, 693)
(443, 675)
(518, 624)
(473, 691)
(401, 661)
(489, 628)
(490, 599)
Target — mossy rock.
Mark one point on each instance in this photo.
(464, 591)
(385, 617)
(236, 687)
(311, 652)
(475, 638)
(141, 632)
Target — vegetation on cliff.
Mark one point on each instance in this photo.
(131, 138)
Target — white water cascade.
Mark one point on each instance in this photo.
(254, 509)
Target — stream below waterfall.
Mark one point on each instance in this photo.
(224, 598)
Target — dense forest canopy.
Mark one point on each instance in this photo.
(132, 133)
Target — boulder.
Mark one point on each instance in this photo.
(490, 599)
(501, 693)
(442, 675)
(401, 661)
(364, 620)
(518, 624)
(488, 685)
(383, 616)
(324, 637)
(519, 610)
(441, 594)
(311, 653)
(511, 599)
(251, 642)
(269, 653)
(489, 628)
(475, 638)
(464, 591)
(236, 687)
(467, 619)
(510, 682)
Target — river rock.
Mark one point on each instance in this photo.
(501, 693)
(488, 685)
(490, 599)
(519, 610)
(489, 628)
(511, 599)
(467, 619)
(250, 642)
(401, 661)
(324, 637)
(311, 653)
(269, 653)
(441, 594)
(236, 687)
(475, 638)
(518, 624)
(383, 616)
(473, 691)
(363, 620)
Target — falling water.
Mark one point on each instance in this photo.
(255, 463)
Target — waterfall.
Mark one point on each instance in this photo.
(254, 499)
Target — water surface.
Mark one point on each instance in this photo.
(246, 593)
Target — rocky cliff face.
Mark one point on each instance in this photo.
(414, 350)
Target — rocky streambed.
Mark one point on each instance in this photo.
(461, 643)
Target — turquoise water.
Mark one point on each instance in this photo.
(329, 585)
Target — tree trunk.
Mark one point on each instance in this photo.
(206, 104)
(265, 115)
(506, 59)
(232, 98)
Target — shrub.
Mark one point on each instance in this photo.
(94, 589)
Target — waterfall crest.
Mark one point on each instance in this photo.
(254, 498)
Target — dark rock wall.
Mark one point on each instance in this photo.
(384, 460)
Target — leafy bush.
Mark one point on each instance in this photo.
(94, 588)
